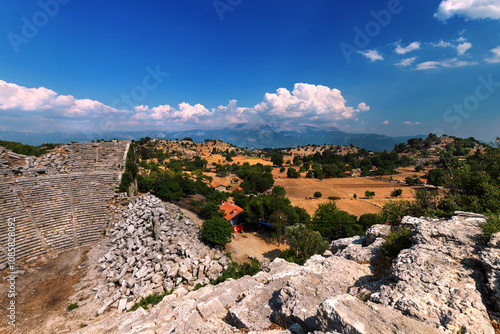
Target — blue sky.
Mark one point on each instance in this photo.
(388, 67)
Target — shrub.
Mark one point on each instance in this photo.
(369, 194)
(73, 306)
(292, 173)
(333, 198)
(217, 230)
(394, 211)
(210, 210)
(317, 194)
(396, 241)
(304, 243)
(491, 226)
(396, 192)
(369, 219)
(152, 300)
(333, 223)
(236, 271)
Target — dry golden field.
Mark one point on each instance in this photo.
(300, 192)
(408, 171)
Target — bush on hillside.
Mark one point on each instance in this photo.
(217, 230)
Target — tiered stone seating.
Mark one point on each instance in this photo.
(65, 209)
(97, 156)
(28, 243)
(90, 191)
(51, 207)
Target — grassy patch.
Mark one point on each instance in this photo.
(396, 241)
(234, 270)
(152, 300)
(491, 226)
(72, 306)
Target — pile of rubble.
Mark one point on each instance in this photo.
(447, 282)
(152, 248)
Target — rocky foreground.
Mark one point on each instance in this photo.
(447, 282)
(152, 248)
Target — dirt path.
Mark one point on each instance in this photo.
(254, 245)
(43, 292)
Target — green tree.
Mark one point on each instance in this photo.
(396, 192)
(369, 194)
(217, 230)
(280, 221)
(437, 177)
(333, 223)
(368, 219)
(304, 243)
(211, 210)
(277, 159)
(292, 173)
(317, 194)
(279, 191)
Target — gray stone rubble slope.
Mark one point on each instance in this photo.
(152, 248)
(436, 286)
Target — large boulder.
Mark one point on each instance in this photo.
(438, 280)
(347, 314)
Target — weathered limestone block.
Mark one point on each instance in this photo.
(438, 280)
(376, 231)
(340, 244)
(347, 314)
(212, 309)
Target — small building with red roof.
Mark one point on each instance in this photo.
(232, 213)
(219, 186)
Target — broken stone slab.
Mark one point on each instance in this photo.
(340, 244)
(377, 231)
(347, 314)
(212, 309)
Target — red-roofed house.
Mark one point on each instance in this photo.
(232, 213)
(219, 186)
(423, 181)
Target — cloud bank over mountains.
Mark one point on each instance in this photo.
(306, 104)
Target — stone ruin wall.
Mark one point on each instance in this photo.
(59, 199)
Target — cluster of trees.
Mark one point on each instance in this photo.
(172, 186)
(418, 144)
(330, 163)
(27, 149)
(131, 170)
(148, 151)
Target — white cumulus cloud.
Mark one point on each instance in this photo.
(21, 99)
(363, 107)
(313, 104)
(496, 56)
(406, 62)
(373, 55)
(470, 9)
(306, 104)
(462, 48)
(386, 122)
(453, 62)
(411, 123)
(403, 50)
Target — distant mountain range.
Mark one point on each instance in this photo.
(250, 136)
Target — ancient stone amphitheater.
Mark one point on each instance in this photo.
(58, 200)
